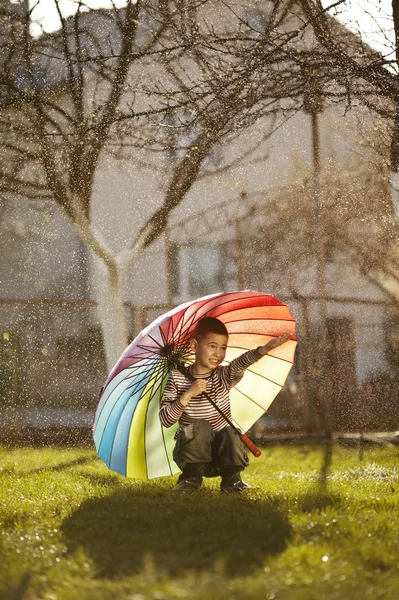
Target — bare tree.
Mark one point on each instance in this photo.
(214, 70)
(68, 97)
(364, 75)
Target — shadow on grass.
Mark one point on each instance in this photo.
(18, 590)
(318, 499)
(326, 464)
(59, 466)
(109, 480)
(189, 532)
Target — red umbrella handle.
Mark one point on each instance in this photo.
(250, 445)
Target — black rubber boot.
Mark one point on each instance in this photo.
(231, 480)
(190, 479)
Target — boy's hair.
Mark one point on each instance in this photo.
(209, 325)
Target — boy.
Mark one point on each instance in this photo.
(205, 445)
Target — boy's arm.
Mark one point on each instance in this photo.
(171, 409)
(235, 370)
(274, 343)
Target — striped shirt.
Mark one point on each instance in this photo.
(218, 385)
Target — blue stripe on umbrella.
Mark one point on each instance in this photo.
(113, 395)
(129, 398)
(124, 375)
(118, 428)
(98, 419)
(118, 446)
(124, 405)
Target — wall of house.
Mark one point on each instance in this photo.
(51, 354)
(42, 256)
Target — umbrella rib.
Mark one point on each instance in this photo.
(148, 353)
(159, 345)
(164, 340)
(181, 330)
(179, 327)
(141, 359)
(134, 391)
(155, 341)
(151, 390)
(106, 423)
(107, 400)
(140, 384)
(271, 355)
(182, 326)
(193, 317)
(126, 378)
(253, 333)
(148, 348)
(226, 302)
(259, 320)
(251, 399)
(172, 333)
(155, 387)
(263, 376)
(162, 430)
(249, 318)
(170, 329)
(151, 363)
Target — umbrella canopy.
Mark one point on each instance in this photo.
(128, 434)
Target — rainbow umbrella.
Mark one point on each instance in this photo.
(127, 431)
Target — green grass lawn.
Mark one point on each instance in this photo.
(72, 529)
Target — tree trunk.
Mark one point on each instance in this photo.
(111, 310)
(394, 175)
(394, 172)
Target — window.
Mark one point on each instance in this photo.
(252, 27)
(201, 270)
(256, 21)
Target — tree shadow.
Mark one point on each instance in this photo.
(318, 498)
(179, 532)
(325, 468)
(18, 590)
(110, 480)
(21, 472)
(58, 467)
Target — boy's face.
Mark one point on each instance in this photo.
(210, 351)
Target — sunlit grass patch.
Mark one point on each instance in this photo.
(73, 529)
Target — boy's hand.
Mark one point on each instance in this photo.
(195, 389)
(274, 343)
